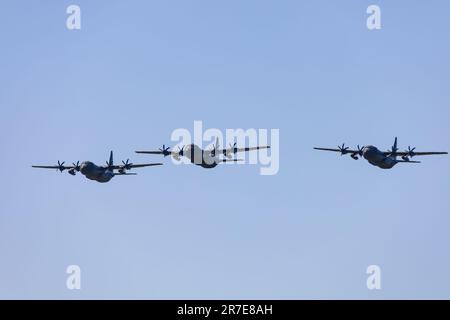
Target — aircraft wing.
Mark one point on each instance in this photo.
(132, 166)
(414, 154)
(236, 150)
(338, 150)
(155, 152)
(54, 167)
(145, 165)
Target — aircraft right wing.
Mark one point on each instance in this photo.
(165, 151)
(144, 165)
(342, 151)
(60, 167)
(129, 166)
(52, 167)
(155, 152)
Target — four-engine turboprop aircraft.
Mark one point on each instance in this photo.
(383, 160)
(207, 159)
(99, 173)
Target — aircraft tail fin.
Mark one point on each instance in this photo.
(111, 159)
(394, 149)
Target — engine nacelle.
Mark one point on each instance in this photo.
(72, 172)
(405, 158)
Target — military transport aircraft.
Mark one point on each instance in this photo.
(383, 160)
(99, 173)
(207, 159)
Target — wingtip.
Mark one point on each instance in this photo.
(156, 164)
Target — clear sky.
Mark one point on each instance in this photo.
(137, 70)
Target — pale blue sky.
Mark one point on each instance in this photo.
(140, 69)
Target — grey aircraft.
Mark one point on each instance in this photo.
(207, 159)
(99, 173)
(384, 160)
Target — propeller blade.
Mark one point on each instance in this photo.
(343, 149)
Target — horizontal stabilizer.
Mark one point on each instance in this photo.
(410, 161)
(230, 160)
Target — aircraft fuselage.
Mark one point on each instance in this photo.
(377, 158)
(96, 173)
(199, 157)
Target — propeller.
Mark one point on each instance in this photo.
(215, 147)
(232, 150)
(359, 153)
(214, 150)
(61, 166)
(233, 147)
(127, 165)
(360, 150)
(165, 151)
(181, 151)
(77, 166)
(411, 152)
(343, 149)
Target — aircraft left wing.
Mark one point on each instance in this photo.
(413, 154)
